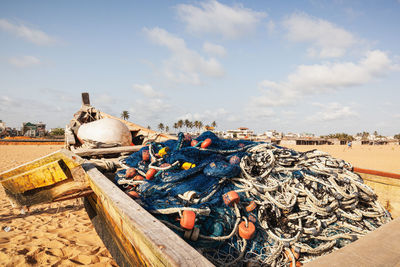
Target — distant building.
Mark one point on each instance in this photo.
(33, 130)
(240, 133)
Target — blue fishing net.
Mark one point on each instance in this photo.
(189, 176)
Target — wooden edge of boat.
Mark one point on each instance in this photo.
(386, 186)
(133, 235)
(378, 248)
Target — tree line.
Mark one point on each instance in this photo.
(185, 123)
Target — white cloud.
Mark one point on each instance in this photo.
(271, 27)
(327, 40)
(184, 65)
(216, 18)
(322, 78)
(332, 111)
(32, 35)
(147, 90)
(24, 61)
(214, 49)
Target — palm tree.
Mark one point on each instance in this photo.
(167, 129)
(190, 125)
(180, 124)
(196, 124)
(125, 115)
(161, 126)
(148, 127)
(176, 126)
(200, 125)
(214, 124)
(187, 123)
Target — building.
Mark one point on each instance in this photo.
(33, 130)
(240, 133)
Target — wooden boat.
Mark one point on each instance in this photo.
(135, 238)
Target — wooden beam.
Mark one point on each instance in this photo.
(155, 242)
(106, 151)
(379, 173)
(85, 99)
(69, 136)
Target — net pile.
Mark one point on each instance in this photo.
(241, 202)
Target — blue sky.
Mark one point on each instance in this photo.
(294, 66)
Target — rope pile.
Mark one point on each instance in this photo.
(242, 202)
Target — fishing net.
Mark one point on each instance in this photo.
(243, 202)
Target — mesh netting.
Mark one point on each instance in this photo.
(253, 202)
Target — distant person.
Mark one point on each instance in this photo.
(349, 144)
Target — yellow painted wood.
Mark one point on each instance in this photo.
(41, 176)
(42, 172)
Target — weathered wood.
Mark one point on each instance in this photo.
(85, 99)
(155, 242)
(56, 176)
(69, 136)
(106, 151)
(44, 171)
(387, 188)
(113, 238)
(377, 173)
(63, 190)
(378, 248)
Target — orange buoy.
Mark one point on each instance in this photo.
(187, 137)
(194, 142)
(252, 218)
(234, 160)
(230, 198)
(246, 232)
(188, 219)
(206, 143)
(164, 165)
(296, 256)
(138, 178)
(163, 151)
(145, 155)
(252, 206)
(150, 174)
(133, 194)
(130, 172)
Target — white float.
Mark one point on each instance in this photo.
(108, 131)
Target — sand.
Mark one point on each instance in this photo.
(382, 158)
(57, 234)
(61, 234)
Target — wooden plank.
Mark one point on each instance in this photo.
(155, 242)
(378, 173)
(106, 151)
(85, 99)
(113, 238)
(40, 176)
(378, 248)
(63, 190)
(69, 136)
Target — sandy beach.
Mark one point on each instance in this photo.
(61, 234)
(57, 234)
